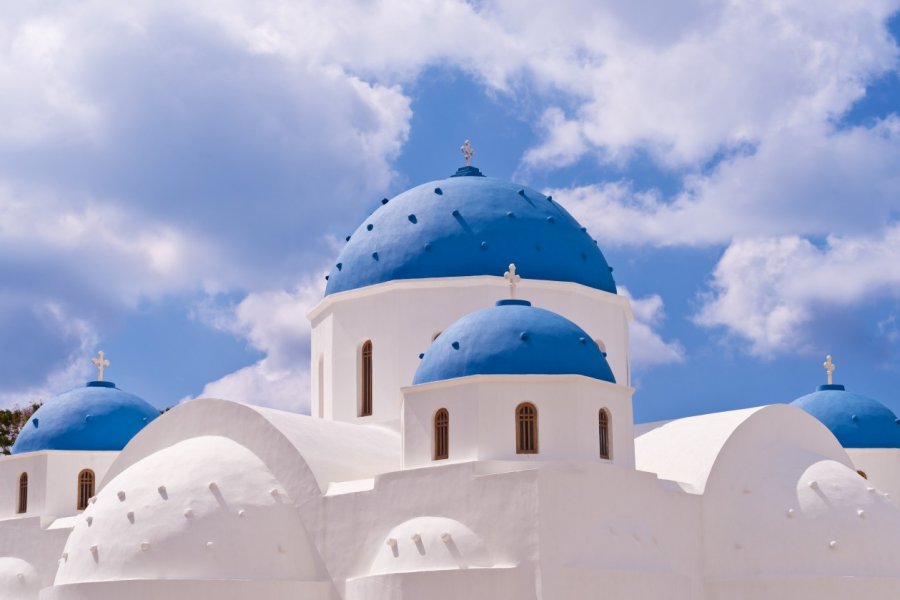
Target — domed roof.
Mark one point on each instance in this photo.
(512, 338)
(98, 416)
(18, 579)
(857, 421)
(205, 508)
(468, 225)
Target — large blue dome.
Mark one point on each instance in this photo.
(512, 338)
(98, 416)
(467, 225)
(856, 421)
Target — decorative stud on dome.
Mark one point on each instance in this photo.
(829, 368)
(468, 151)
(101, 362)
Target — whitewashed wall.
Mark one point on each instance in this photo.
(400, 317)
(882, 468)
(483, 423)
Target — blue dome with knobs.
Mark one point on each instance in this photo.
(465, 225)
(856, 421)
(512, 338)
(98, 416)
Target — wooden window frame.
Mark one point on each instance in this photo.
(23, 494)
(526, 428)
(86, 482)
(366, 379)
(441, 434)
(604, 433)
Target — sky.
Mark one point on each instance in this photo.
(175, 179)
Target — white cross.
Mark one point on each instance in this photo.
(468, 151)
(512, 278)
(101, 363)
(829, 367)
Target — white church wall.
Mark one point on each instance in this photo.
(52, 480)
(62, 478)
(11, 468)
(783, 501)
(400, 318)
(206, 508)
(190, 590)
(619, 530)
(882, 468)
(483, 424)
(29, 540)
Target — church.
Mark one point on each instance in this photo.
(471, 437)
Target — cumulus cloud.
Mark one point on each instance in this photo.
(796, 182)
(275, 323)
(213, 145)
(728, 75)
(647, 348)
(769, 291)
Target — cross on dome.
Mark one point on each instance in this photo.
(829, 368)
(513, 279)
(468, 151)
(101, 363)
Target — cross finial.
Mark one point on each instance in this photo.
(513, 279)
(468, 151)
(101, 363)
(829, 367)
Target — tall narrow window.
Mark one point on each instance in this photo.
(23, 493)
(526, 429)
(365, 403)
(604, 433)
(85, 488)
(441, 434)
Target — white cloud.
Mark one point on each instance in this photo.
(769, 291)
(796, 182)
(647, 348)
(155, 148)
(274, 323)
(733, 74)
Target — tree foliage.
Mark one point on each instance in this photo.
(11, 422)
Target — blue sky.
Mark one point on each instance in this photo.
(174, 182)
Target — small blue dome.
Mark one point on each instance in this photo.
(469, 225)
(98, 416)
(856, 421)
(512, 338)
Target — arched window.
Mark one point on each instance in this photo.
(23, 493)
(365, 401)
(526, 429)
(85, 488)
(862, 474)
(441, 434)
(604, 433)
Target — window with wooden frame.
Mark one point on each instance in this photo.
(23, 493)
(441, 434)
(526, 429)
(85, 488)
(365, 401)
(604, 433)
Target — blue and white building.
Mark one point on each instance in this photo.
(472, 437)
